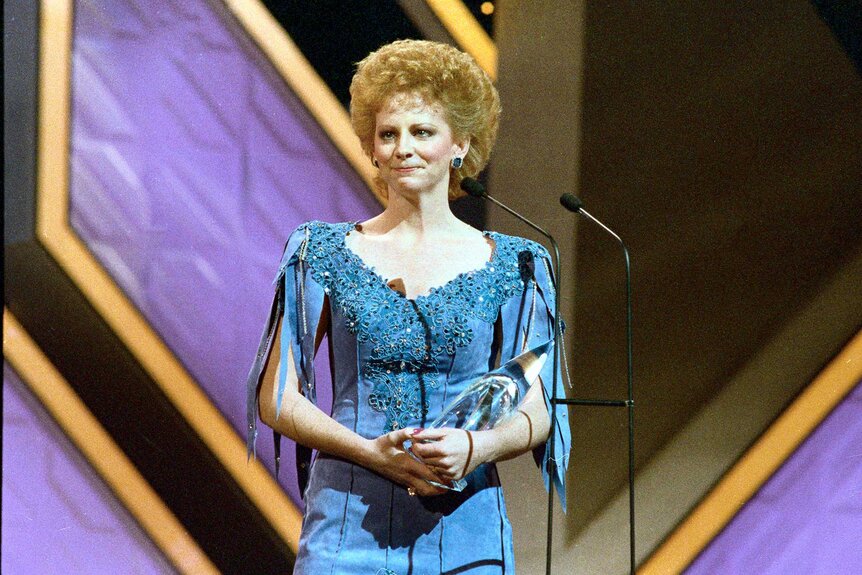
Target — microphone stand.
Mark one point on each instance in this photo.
(557, 342)
(570, 202)
(573, 204)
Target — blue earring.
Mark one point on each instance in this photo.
(457, 162)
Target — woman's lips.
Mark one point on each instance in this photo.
(405, 169)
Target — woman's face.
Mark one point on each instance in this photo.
(414, 145)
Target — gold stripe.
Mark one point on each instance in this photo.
(107, 459)
(55, 63)
(110, 302)
(759, 463)
(276, 44)
(467, 32)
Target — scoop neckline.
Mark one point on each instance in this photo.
(489, 265)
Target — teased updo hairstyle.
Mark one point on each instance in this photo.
(439, 74)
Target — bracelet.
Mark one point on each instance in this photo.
(469, 453)
(529, 428)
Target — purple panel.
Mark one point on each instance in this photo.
(191, 163)
(56, 510)
(807, 518)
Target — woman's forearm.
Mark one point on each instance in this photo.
(526, 429)
(302, 421)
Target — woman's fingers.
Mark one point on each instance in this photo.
(431, 434)
(424, 489)
(439, 443)
(397, 437)
(446, 451)
(401, 467)
(421, 486)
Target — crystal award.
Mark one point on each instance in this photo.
(492, 398)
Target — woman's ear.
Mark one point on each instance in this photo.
(461, 148)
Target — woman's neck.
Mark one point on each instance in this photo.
(419, 215)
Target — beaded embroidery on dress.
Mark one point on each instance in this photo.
(406, 334)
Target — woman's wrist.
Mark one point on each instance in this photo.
(365, 453)
(512, 438)
(485, 444)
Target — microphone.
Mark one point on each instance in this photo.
(574, 204)
(571, 202)
(473, 188)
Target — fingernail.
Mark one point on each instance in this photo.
(417, 430)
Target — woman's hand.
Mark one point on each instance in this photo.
(386, 456)
(450, 453)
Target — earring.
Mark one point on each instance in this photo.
(457, 162)
(375, 163)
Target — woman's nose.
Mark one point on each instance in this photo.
(404, 149)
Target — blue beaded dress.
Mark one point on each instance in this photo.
(396, 362)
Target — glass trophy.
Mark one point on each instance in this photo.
(491, 399)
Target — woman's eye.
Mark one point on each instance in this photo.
(387, 135)
(423, 133)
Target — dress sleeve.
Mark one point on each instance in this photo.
(528, 321)
(297, 302)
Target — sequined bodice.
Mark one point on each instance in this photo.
(411, 354)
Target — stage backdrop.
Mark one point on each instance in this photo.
(56, 509)
(191, 162)
(808, 517)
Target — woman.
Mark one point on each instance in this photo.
(416, 305)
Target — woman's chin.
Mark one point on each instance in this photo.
(408, 184)
(414, 186)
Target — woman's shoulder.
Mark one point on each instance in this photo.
(318, 228)
(314, 235)
(317, 232)
(523, 258)
(514, 245)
